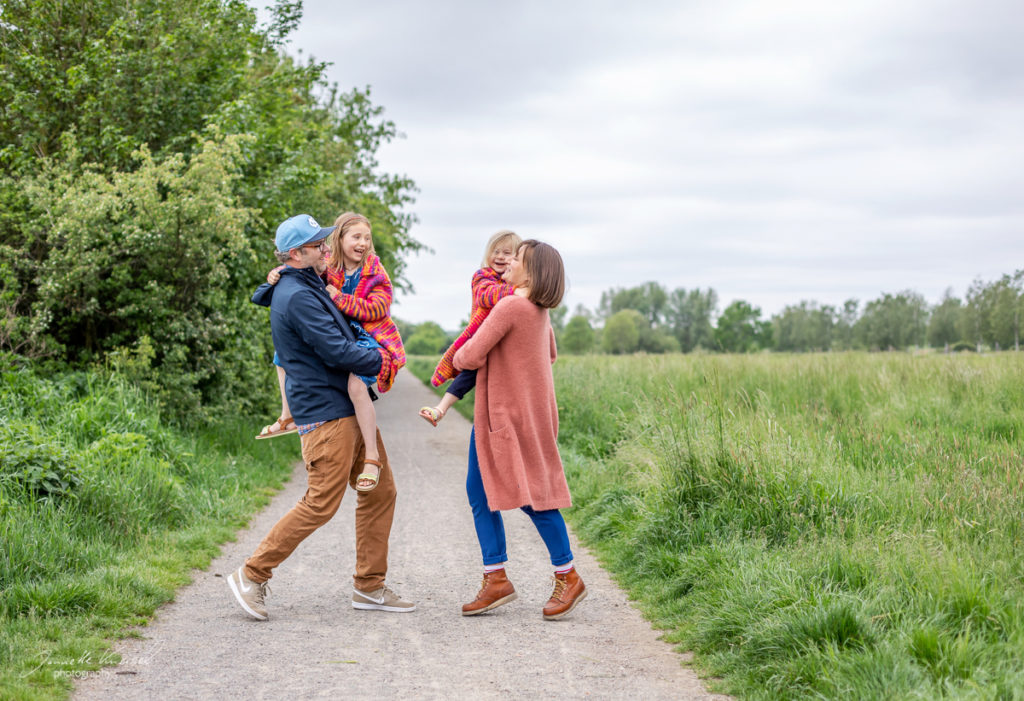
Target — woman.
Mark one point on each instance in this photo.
(514, 462)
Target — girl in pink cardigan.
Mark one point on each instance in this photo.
(514, 461)
(488, 288)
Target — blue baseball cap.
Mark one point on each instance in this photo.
(298, 231)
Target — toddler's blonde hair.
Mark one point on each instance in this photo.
(505, 235)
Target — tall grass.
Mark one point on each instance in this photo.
(104, 510)
(831, 525)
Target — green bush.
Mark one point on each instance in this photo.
(33, 463)
(150, 149)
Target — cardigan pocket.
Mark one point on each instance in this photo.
(508, 467)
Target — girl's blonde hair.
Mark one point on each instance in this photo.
(343, 223)
(499, 238)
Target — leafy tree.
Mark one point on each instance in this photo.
(151, 253)
(658, 340)
(557, 316)
(690, 315)
(578, 336)
(1004, 310)
(649, 299)
(584, 312)
(129, 106)
(621, 332)
(740, 330)
(804, 327)
(942, 326)
(894, 321)
(427, 339)
(843, 336)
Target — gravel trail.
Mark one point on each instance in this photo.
(315, 645)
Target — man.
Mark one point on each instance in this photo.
(318, 351)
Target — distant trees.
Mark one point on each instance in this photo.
(805, 326)
(942, 326)
(691, 315)
(622, 332)
(648, 318)
(427, 338)
(740, 330)
(893, 321)
(578, 336)
(993, 312)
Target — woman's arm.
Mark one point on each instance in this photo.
(474, 352)
(554, 349)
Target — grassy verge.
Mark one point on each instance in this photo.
(104, 511)
(836, 526)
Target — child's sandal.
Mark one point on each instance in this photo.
(368, 477)
(431, 414)
(282, 427)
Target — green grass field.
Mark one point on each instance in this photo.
(811, 526)
(104, 512)
(831, 526)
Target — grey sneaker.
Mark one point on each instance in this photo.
(249, 594)
(382, 599)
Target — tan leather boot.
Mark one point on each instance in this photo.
(569, 591)
(494, 591)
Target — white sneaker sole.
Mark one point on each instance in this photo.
(241, 601)
(381, 607)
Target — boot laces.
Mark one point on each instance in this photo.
(560, 585)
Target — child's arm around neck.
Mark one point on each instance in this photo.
(488, 288)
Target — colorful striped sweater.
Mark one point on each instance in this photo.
(487, 290)
(370, 305)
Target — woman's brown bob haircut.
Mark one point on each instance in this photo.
(544, 271)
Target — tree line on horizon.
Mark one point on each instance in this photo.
(649, 318)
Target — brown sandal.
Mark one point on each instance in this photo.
(369, 477)
(282, 427)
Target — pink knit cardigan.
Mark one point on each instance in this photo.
(516, 416)
(370, 305)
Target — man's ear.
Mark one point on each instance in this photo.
(295, 255)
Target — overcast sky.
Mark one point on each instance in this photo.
(774, 151)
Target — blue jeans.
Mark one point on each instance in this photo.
(490, 529)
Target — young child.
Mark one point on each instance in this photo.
(487, 290)
(361, 289)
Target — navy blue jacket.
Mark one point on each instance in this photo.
(315, 345)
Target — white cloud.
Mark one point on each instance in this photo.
(773, 151)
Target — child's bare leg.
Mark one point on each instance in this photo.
(284, 424)
(447, 399)
(286, 411)
(366, 417)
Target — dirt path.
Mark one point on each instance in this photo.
(316, 645)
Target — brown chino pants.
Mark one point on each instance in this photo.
(334, 458)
